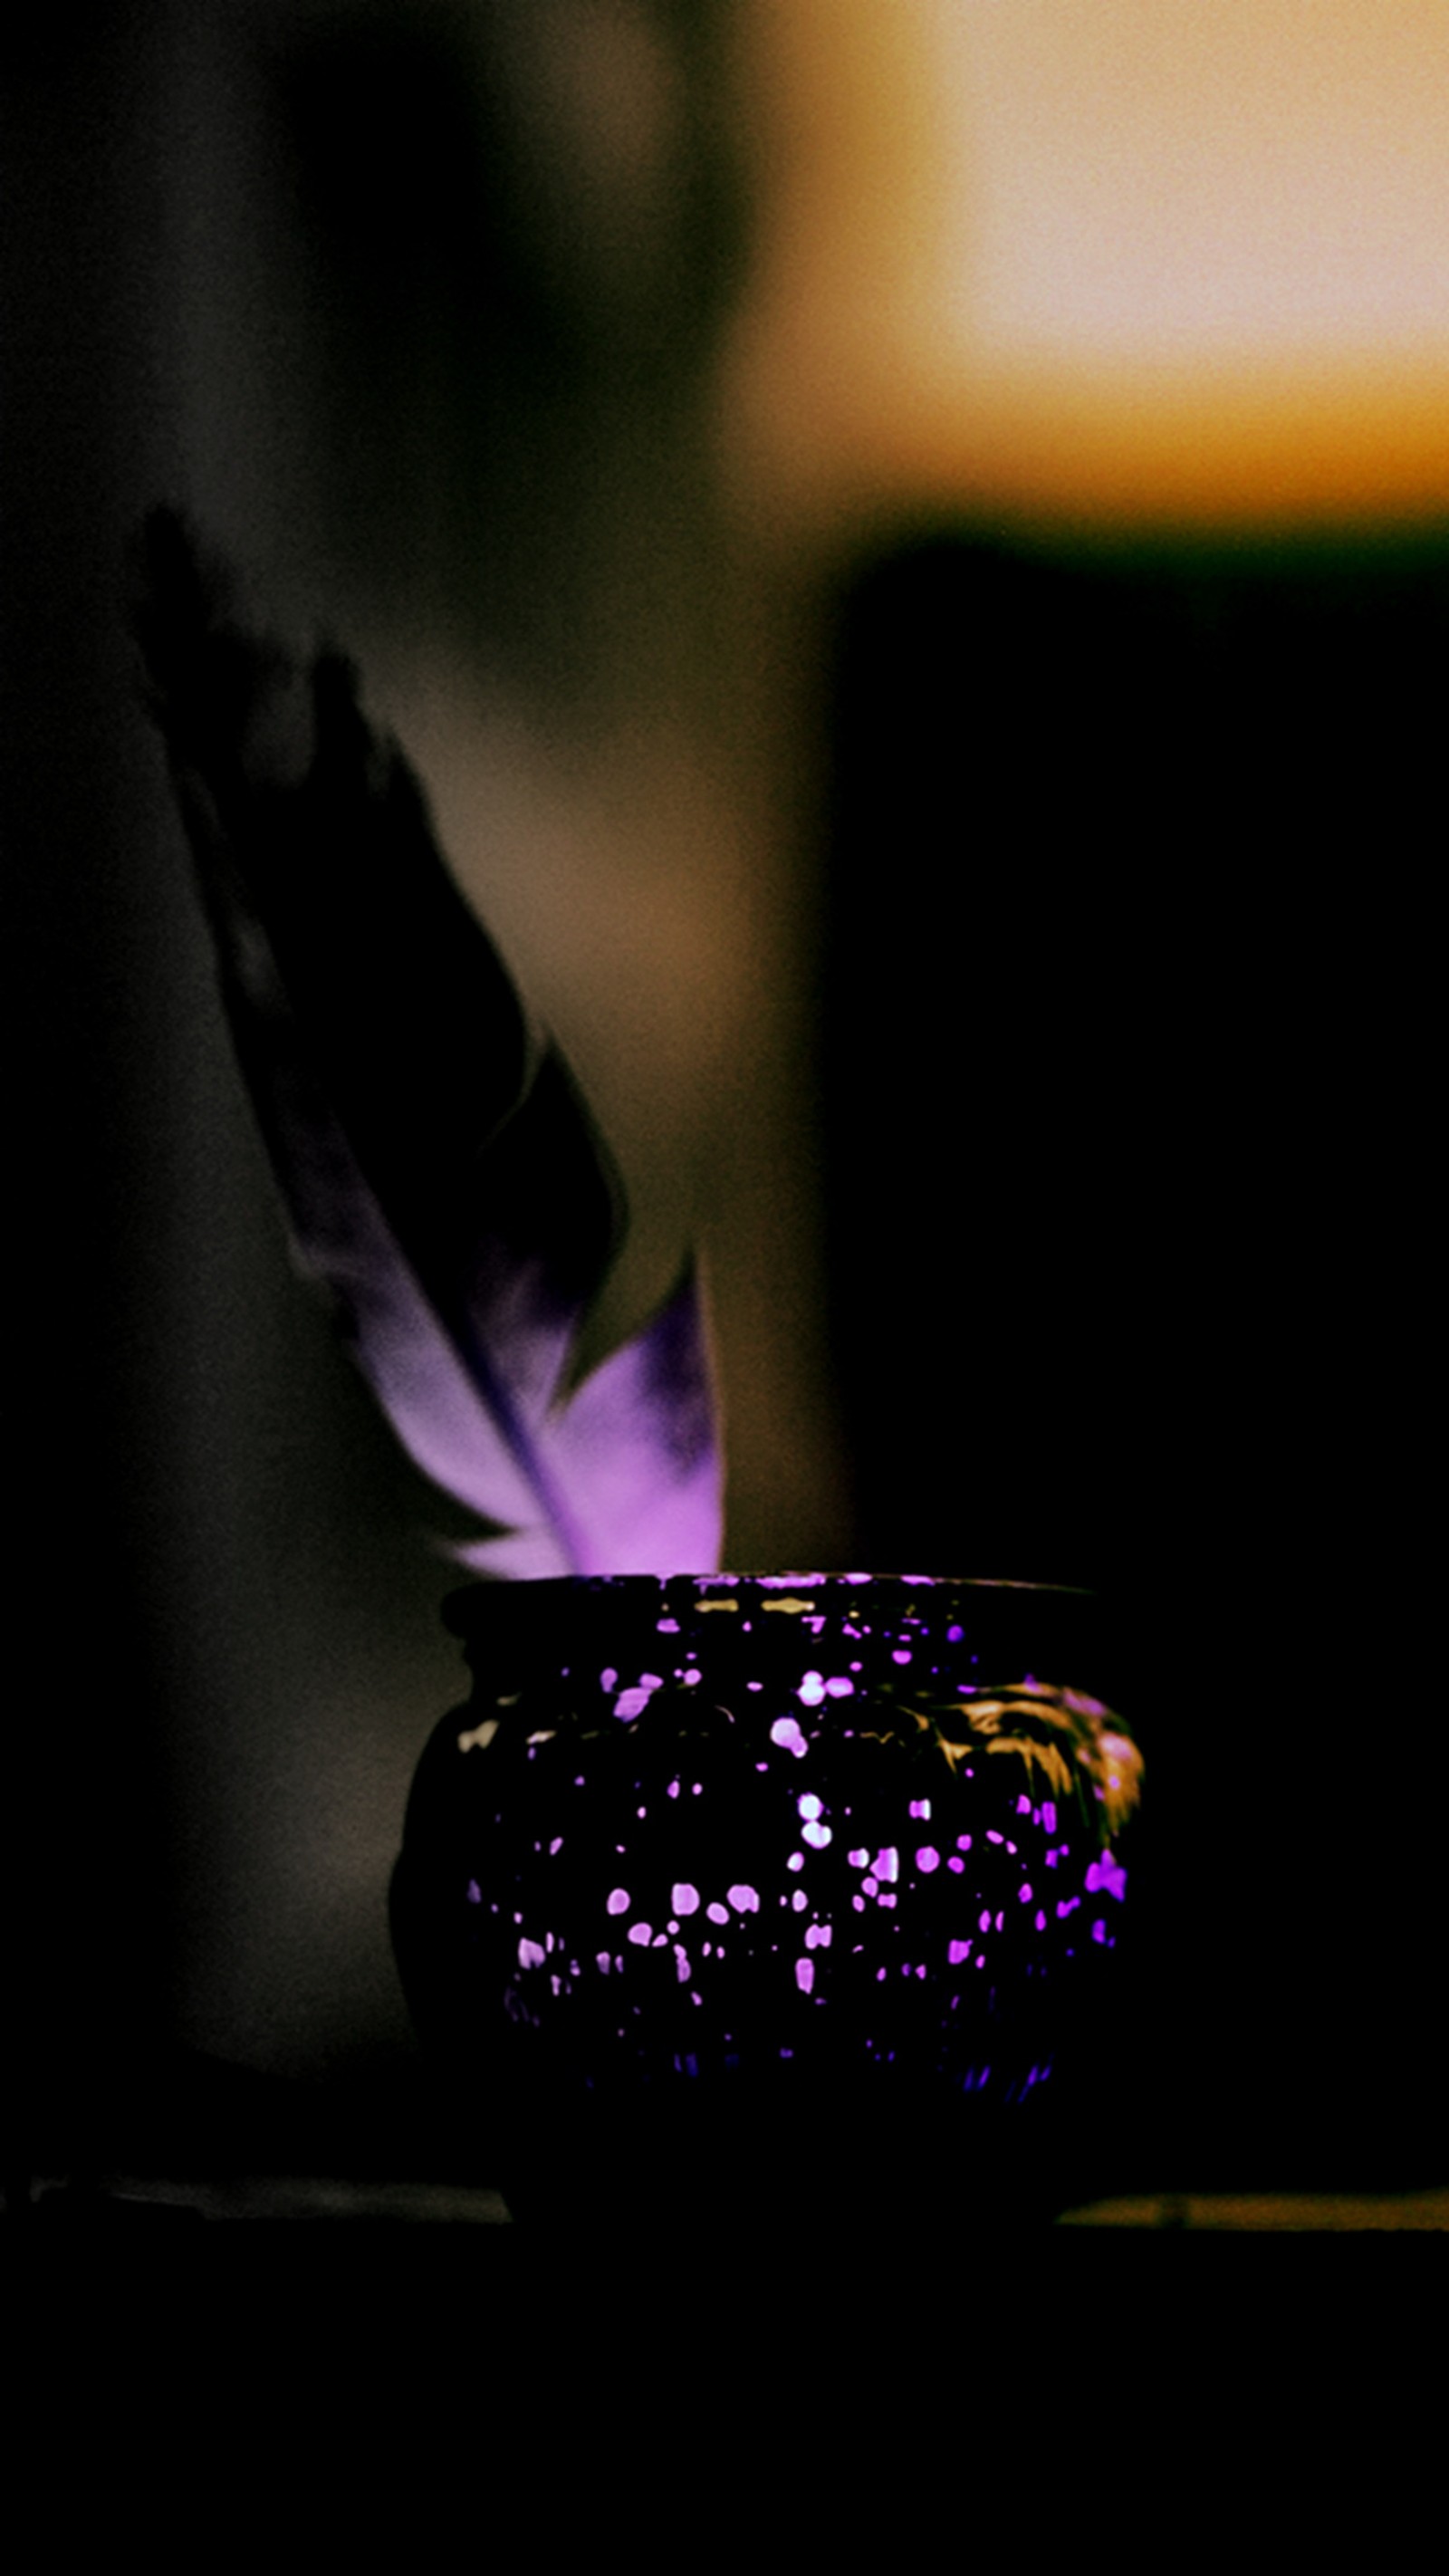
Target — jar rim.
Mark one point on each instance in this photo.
(495, 1599)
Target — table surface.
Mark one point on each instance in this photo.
(340, 2200)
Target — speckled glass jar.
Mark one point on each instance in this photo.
(718, 1881)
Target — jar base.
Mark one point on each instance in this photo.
(776, 2160)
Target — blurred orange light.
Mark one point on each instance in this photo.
(1124, 264)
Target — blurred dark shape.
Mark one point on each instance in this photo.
(88, 1906)
(525, 226)
(1126, 1096)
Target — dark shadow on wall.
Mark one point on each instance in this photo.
(517, 234)
(1128, 1090)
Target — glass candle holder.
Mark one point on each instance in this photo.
(724, 1890)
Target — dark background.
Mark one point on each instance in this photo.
(1112, 1114)
(1127, 1084)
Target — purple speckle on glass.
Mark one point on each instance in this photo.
(1067, 1906)
(958, 2012)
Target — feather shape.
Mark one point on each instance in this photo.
(444, 1181)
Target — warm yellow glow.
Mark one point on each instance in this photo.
(1143, 259)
